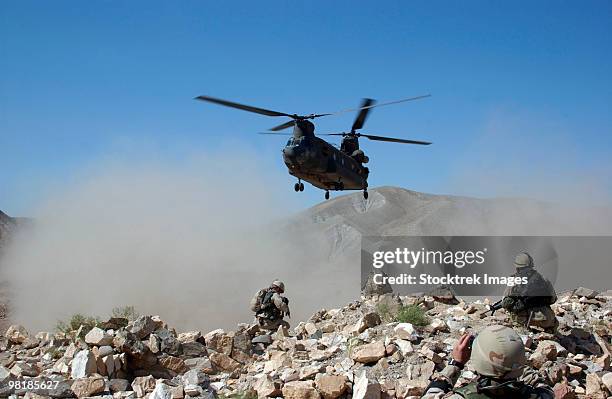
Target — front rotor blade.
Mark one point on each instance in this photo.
(276, 134)
(393, 140)
(381, 104)
(241, 106)
(363, 114)
(283, 126)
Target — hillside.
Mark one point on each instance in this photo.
(368, 349)
(7, 223)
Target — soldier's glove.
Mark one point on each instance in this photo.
(286, 300)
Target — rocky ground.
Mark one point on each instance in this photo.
(355, 351)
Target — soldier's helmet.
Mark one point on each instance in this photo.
(498, 352)
(523, 259)
(279, 284)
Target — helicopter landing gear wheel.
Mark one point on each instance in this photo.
(365, 194)
(326, 195)
(301, 186)
(296, 187)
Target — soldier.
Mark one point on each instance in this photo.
(529, 304)
(270, 306)
(498, 357)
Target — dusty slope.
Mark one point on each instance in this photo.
(7, 224)
(397, 211)
(316, 252)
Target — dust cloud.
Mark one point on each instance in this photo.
(190, 240)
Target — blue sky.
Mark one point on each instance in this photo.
(521, 90)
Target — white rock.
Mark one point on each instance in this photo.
(4, 374)
(364, 389)
(83, 364)
(161, 391)
(405, 331)
(99, 337)
(404, 346)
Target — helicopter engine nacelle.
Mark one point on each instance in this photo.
(360, 156)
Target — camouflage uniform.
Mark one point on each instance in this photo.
(274, 308)
(498, 357)
(530, 303)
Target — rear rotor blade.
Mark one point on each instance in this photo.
(381, 104)
(242, 106)
(282, 126)
(276, 134)
(392, 139)
(363, 114)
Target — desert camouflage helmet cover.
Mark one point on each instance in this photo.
(279, 284)
(498, 351)
(523, 259)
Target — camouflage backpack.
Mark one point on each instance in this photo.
(262, 300)
(257, 300)
(515, 390)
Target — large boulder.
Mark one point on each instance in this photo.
(84, 364)
(143, 385)
(300, 390)
(143, 326)
(173, 363)
(331, 386)
(223, 362)
(24, 369)
(366, 389)
(98, 337)
(162, 391)
(129, 343)
(16, 334)
(369, 353)
(219, 341)
(266, 387)
(84, 387)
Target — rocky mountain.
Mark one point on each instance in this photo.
(370, 348)
(398, 211)
(7, 224)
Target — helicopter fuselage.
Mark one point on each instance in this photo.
(314, 160)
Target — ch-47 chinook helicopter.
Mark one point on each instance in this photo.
(318, 162)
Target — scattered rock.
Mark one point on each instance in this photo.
(363, 388)
(300, 390)
(83, 365)
(84, 387)
(143, 385)
(99, 337)
(16, 334)
(369, 353)
(143, 326)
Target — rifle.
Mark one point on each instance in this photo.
(286, 300)
(496, 306)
